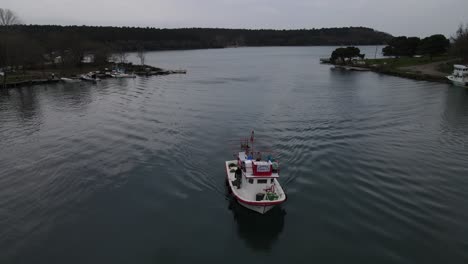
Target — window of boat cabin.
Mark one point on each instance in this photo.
(272, 180)
(250, 181)
(262, 181)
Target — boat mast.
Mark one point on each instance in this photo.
(252, 142)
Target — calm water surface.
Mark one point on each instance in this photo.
(131, 171)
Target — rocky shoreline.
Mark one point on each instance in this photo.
(48, 76)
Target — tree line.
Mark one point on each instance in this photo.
(456, 46)
(33, 45)
(410, 46)
(183, 38)
(459, 45)
(21, 44)
(437, 44)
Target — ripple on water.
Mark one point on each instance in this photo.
(371, 163)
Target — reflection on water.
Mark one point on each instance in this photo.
(260, 232)
(24, 101)
(71, 96)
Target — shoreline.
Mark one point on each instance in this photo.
(414, 75)
(54, 75)
(409, 68)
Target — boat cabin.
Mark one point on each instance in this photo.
(257, 168)
(460, 70)
(257, 176)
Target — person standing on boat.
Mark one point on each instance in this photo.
(238, 175)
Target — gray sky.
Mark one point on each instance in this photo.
(397, 17)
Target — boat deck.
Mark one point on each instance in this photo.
(246, 194)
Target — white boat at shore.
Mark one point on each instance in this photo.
(122, 75)
(90, 77)
(180, 71)
(70, 80)
(459, 76)
(254, 182)
(350, 68)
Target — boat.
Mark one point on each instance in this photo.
(121, 74)
(90, 77)
(180, 71)
(350, 68)
(253, 181)
(459, 76)
(70, 80)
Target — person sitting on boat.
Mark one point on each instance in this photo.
(258, 156)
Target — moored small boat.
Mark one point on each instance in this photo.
(180, 71)
(90, 77)
(254, 182)
(123, 75)
(70, 80)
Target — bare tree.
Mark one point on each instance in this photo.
(120, 55)
(141, 54)
(8, 17)
(102, 53)
(460, 42)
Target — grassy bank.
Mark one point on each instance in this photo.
(405, 61)
(420, 68)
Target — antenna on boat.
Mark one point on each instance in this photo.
(252, 141)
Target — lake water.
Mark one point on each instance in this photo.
(132, 171)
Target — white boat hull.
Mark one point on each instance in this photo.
(462, 82)
(123, 76)
(259, 209)
(70, 80)
(89, 79)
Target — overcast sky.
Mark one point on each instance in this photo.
(397, 17)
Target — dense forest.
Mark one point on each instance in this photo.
(130, 38)
(30, 46)
(409, 46)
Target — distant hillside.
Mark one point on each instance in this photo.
(130, 38)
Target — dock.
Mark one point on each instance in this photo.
(351, 68)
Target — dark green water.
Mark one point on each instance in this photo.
(132, 171)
